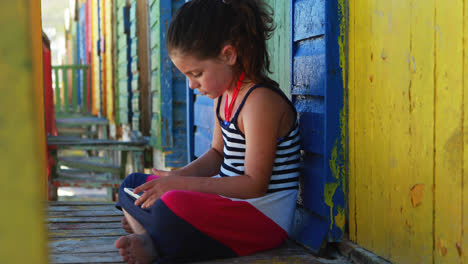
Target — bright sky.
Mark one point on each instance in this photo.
(53, 24)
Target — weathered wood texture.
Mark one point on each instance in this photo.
(279, 46)
(22, 144)
(168, 92)
(143, 65)
(407, 130)
(109, 69)
(95, 66)
(120, 62)
(318, 93)
(81, 232)
(85, 232)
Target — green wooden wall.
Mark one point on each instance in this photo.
(279, 45)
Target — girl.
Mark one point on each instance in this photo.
(239, 197)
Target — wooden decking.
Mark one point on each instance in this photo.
(85, 232)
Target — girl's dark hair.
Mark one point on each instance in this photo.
(202, 28)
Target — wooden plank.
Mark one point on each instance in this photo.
(363, 104)
(73, 233)
(351, 121)
(74, 141)
(82, 175)
(391, 116)
(279, 44)
(90, 183)
(309, 19)
(71, 226)
(22, 134)
(448, 131)
(73, 208)
(55, 204)
(104, 219)
(76, 132)
(143, 61)
(383, 212)
(464, 244)
(77, 213)
(81, 121)
(289, 252)
(76, 258)
(82, 163)
(418, 222)
(83, 245)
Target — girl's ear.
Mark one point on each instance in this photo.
(229, 55)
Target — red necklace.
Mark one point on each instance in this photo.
(228, 109)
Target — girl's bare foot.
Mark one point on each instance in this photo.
(136, 249)
(126, 226)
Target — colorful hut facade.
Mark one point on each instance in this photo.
(380, 91)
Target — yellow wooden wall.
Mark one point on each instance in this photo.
(96, 79)
(408, 128)
(22, 135)
(109, 66)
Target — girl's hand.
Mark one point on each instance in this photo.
(161, 173)
(153, 190)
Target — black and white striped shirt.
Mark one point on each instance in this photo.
(286, 168)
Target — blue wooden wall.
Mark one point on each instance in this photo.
(133, 71)
(168, 88)
(81, 51)
(317, 93)
(203, 123)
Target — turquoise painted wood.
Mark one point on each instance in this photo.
(119, 57)
(133, 71)
(63, 105)
(123, 94)
(279, 46)
(318, 94)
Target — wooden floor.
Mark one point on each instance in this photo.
(84, 232)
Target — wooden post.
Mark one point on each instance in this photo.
(65, 90)
(22, 135)
(143, 55)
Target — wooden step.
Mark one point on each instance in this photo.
(80, 121)
(78, 174)
(76, 131)
(85, 183)
(97, 144)
(89, 164)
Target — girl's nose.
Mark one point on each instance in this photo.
(193, 84)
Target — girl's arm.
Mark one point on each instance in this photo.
(261, 123)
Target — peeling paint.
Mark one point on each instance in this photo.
(342, 39)
(329, 192)
(441, 248)
(338, 153)
(417, 194)
(459, 248)
(340, 218)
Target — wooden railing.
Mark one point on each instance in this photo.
(72, 90)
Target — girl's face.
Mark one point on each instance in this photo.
(211, 77)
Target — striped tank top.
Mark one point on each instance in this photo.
(285, 173)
